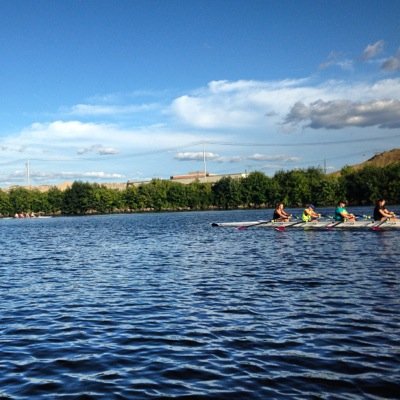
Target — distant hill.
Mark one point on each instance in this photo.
(381, 159)
(378, 160)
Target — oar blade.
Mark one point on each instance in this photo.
(282, 228)
(377, 227)
(331, 226)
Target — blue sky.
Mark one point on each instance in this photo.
(110, 91)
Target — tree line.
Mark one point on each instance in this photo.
(295, 188)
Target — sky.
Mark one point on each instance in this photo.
(131, 90)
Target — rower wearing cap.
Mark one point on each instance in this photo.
(341, 214)
(309, 214)
(381, 213)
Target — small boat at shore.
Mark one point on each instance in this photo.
(314, 225)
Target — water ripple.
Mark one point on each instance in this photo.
(160, 306)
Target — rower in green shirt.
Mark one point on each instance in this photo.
(341, 214)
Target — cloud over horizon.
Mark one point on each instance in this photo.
(330, 104)
(265, 157)
(339, 114)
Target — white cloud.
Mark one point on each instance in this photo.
(199, 156)
(214, 113)
(195, 156)
(83, 137)
(100, 175)
(108, 110)
(40, 176)
(372, 50)
(344, 113)
(262, 105)
(264, 157)
(99, 149)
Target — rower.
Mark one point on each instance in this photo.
(341, 214)
(381, 213)
(280, 215)
(309, 214)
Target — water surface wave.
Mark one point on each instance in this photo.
(165, 306)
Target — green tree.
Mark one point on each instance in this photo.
(256, 189)
(6, 208)
(326, 192)
(143, 197)
(103, 199)
(130, 198)
(227, 193)
(177, 195)
(392, 193)
(38, 201)
(365, 185)
(20, 199)
(78, 199)
(55, 199)
(158, 194)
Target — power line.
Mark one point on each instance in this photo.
(202, 143)
(326, 143)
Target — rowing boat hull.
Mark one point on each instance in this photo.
(312, 225)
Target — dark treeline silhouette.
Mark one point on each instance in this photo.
(295, 188)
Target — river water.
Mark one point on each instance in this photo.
(158, 306)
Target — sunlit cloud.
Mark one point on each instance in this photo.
(343, 113)
(235, 105)
(82, 137)
(99, 149)
(265, 157)
(109, 110)
(207, 156)
(212, 113)
(35, 175)
(195, 156)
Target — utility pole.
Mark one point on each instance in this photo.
(204, 161)
(28, 174)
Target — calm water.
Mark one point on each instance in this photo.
(162, 306)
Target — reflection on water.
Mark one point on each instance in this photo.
(164, 306)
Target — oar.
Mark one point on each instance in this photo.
(283, 227)
(334, 224)
(243, 227)
(377, 227)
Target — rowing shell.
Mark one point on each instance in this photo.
(374, 225)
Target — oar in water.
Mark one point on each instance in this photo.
(283, 227)
(378, 226)
(243, 227)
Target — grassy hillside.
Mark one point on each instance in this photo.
(378, 160)
(381, 159)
